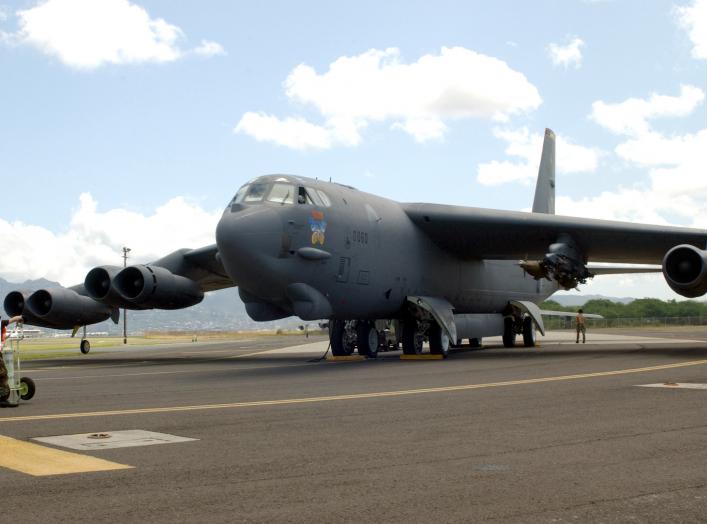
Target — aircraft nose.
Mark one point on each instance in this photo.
(249, 241)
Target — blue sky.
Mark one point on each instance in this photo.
(157, 111)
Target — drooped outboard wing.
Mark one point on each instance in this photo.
(559, 247)
(176, 281)
(510, 235)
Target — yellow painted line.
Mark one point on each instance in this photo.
(41, 461)
(355, 396)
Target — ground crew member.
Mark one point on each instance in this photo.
(4, 385)
(581, 323)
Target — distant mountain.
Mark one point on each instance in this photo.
(580, 300)
(220, 311)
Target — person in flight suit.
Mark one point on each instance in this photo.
(4, 385)
(581, 323)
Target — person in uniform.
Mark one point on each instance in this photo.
(4, 385)
(581, 323)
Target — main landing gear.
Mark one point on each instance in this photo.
(516, 325)
(367, 336)
(418, 327)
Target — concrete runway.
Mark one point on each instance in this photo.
(557, 433)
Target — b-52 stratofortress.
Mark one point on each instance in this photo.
(441, 274)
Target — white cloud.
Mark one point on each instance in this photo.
(675, 163)
(3, 13)
(631, 117)
(567, 55)
(96, 238)
(86, 34)
(693, 18)
(209, 48)
(527, 147)
(295, 133)
(417, 98)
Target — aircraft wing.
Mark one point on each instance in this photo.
(208, 269)
(511, 235)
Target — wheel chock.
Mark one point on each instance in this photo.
(427, 356)
(346, 358)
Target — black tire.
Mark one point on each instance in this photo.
(509, 334)
(337, 336)
(529, 334)
(367, 339)
(27, 388)
(475, 343)
(439, 340)
(85, 347)
(412, 341)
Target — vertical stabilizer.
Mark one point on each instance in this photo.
(545, 190)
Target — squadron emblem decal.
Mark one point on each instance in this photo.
(318, 226)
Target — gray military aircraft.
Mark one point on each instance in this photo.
(439, 273)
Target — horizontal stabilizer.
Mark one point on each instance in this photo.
(622, 269)
(568, 314)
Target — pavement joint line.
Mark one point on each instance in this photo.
(354, 396)
(41, 461)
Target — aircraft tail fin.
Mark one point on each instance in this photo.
(545, 190)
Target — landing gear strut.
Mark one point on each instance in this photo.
(413, 336)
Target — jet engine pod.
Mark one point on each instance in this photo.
(62, 308)
(154, 287)
(685, 270)
(16, 305)
(99, 285)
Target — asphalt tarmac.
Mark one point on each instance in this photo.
(552, 434)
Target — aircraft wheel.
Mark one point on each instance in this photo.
(412, 338)
(367, 339)
(85, 347)
(475, 342)
(509, 334)
(340, 337)
(529, 333)
(439, 340)
(27, 388)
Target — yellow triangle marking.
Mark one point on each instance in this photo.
(41, 461)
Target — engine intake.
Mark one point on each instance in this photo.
(62, 308)
(99, 285)
(156, 287)
(685, 270)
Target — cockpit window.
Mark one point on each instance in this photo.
(324, 198)
(308, 196)
(255, 193)
(282, 194)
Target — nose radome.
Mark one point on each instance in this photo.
(250, 237)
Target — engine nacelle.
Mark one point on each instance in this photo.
(99, 285)
(16, 305)
(155, 287)
(62, 308)
(685, 270)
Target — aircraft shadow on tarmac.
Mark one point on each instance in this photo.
(547, 352)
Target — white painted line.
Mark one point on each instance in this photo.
(112, 440)
(674, 385)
